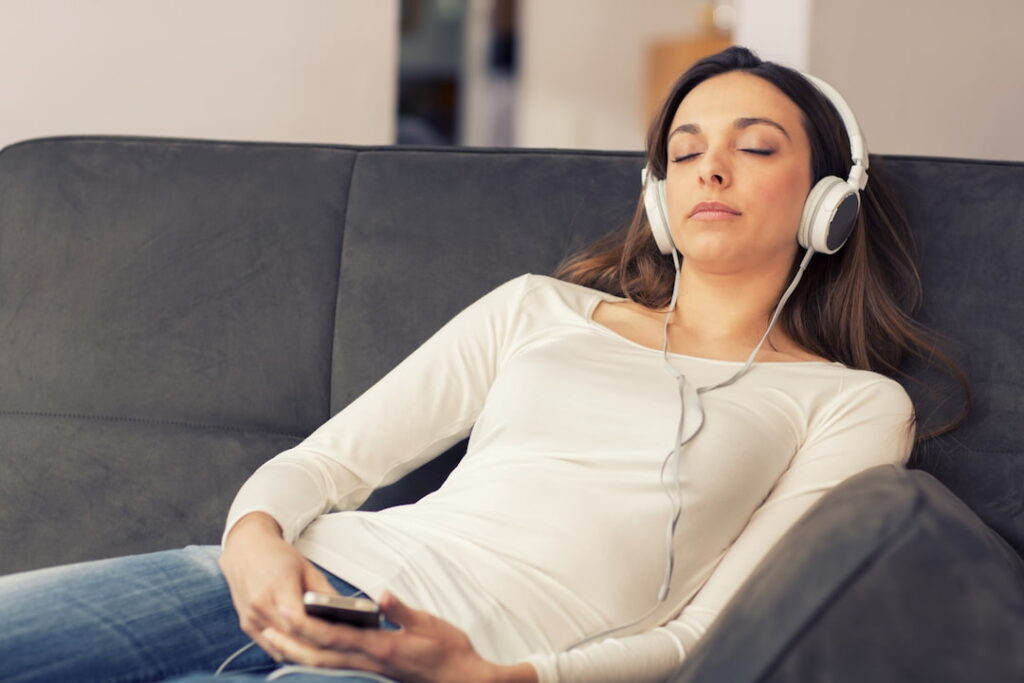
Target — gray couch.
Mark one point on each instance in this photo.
(175, 312)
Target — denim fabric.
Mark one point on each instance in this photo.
(137, 618)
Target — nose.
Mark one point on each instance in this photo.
(712, 170)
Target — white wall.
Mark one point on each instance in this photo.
(778, 31)
(926, 77)
(582, 78)
(309, 71)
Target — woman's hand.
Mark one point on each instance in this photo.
(266, 576)
(426, 649)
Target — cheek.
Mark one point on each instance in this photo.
(787, 192)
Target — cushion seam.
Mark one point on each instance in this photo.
(145, 420)
(337, 284)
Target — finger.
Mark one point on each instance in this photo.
(294, 611)
(384, 646)
(333, 636)
(400, 613)
(285, 600)
(290, 605)
(302, 652)
(299, 651)
(265, 645)
(269, 615)
(379, 645)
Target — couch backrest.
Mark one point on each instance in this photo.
(968, 219)
(166, 320)
(175, 312)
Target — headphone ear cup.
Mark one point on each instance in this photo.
(654, 204)
(829, 215)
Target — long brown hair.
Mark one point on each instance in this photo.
(855, 306)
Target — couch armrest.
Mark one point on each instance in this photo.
(889, 577)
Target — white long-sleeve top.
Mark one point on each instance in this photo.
(553, 525)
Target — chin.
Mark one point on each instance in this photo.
(719, 264)
(723, 254)
(711, 249)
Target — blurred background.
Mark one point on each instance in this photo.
(924, 77)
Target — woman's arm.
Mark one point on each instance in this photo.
(426, 404)
(437, 392)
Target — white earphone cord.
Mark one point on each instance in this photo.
(672, 491)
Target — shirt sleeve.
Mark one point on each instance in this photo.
(871, 426)
(422, 407)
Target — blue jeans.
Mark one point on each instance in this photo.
(145, 617)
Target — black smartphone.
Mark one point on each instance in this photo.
(342, 609)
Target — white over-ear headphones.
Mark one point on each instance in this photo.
(830, 209)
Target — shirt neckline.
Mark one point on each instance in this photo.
(600, 295)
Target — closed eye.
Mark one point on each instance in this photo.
(761, 152)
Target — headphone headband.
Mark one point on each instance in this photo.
(858, 145)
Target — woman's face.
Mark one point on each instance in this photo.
(738, 140)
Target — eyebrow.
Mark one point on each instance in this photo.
(744, 122)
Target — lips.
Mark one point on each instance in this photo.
(710, 209)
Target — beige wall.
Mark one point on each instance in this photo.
(309, 71)
(927, 77)
(582, 69)
(924, 77)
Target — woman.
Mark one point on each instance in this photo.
(596, 527)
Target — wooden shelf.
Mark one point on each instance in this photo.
(668, 59)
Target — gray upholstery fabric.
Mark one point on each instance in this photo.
(166, 321)
(171, 281)
(76, 488)
(890, 578)
(968, 218)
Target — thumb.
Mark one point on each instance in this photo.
(314, 580)
(290, 602)
(287, 600)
